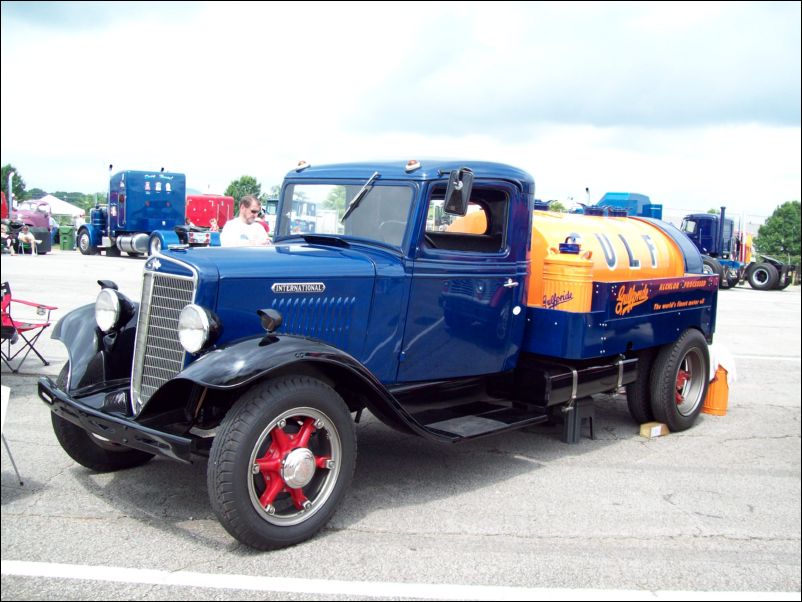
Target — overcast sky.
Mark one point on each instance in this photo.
(696, 105)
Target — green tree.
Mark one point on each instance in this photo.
(713, 211)
(244, 186)
(780, 235)
(557, 206)
(336, 200)
(17, 183)
(36, 193)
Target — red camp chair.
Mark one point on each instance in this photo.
(25, 331)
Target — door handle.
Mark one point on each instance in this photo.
(511, 283)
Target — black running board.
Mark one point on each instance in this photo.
(479, 419)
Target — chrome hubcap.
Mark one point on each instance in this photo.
(294, 466)
(299, 468)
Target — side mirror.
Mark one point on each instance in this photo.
(458, 193)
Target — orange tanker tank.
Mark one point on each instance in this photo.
(617, 249)
(609, 249)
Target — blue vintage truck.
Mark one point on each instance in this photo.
(145, 212)
(260, 360)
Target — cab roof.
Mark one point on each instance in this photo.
(396, 170)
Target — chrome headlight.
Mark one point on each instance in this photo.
(107, 309)
(194, 327)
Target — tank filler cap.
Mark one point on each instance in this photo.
(571, 245)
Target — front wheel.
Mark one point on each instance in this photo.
(154, 245)
(282, 462)
(679, 380)
(85, 244)
(712, 266)
(90, 450)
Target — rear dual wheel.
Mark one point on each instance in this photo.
(679, 381)
(763, 276)
(639, 395)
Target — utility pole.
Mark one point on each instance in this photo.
(10, 191)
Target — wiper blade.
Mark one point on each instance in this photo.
(360, 195)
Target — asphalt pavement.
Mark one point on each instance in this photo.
(518, 516)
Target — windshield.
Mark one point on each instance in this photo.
(381, 215)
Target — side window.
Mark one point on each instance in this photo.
(482, 229)
(473, 222)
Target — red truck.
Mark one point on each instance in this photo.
(202, 208)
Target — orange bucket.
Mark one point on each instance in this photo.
(718, 394)
(568, 279)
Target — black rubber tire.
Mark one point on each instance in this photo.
(763, 276)
(690, 354)
(783, 284)
(732, 281)
(712, 266)
(84, 243)
(247, 431)
(639, 395)
(86, 449)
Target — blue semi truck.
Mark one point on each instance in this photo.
(145, 212)
(725, 253)
(259, 360)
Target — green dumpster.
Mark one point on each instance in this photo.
(66, 236)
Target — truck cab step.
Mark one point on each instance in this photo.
(478, 419)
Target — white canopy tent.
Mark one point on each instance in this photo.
(59, 207)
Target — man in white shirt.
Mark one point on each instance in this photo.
(243, 231)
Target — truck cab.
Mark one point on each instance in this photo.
(37, 216)
(431, 294)
(145, 212)
(729, 255)
(711, 234)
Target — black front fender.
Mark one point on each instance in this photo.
(245, 361)
(95, 358)
(78, 332)
(248, 361)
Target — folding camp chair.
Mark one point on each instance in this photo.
(25, 331)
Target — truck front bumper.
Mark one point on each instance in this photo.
(115, 429)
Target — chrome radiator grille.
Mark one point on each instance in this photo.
(158, 355)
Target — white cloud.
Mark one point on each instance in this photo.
(695, 104)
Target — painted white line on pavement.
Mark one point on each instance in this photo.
(376, 589)
(772, 358)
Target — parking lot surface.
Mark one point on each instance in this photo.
(522, 515)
